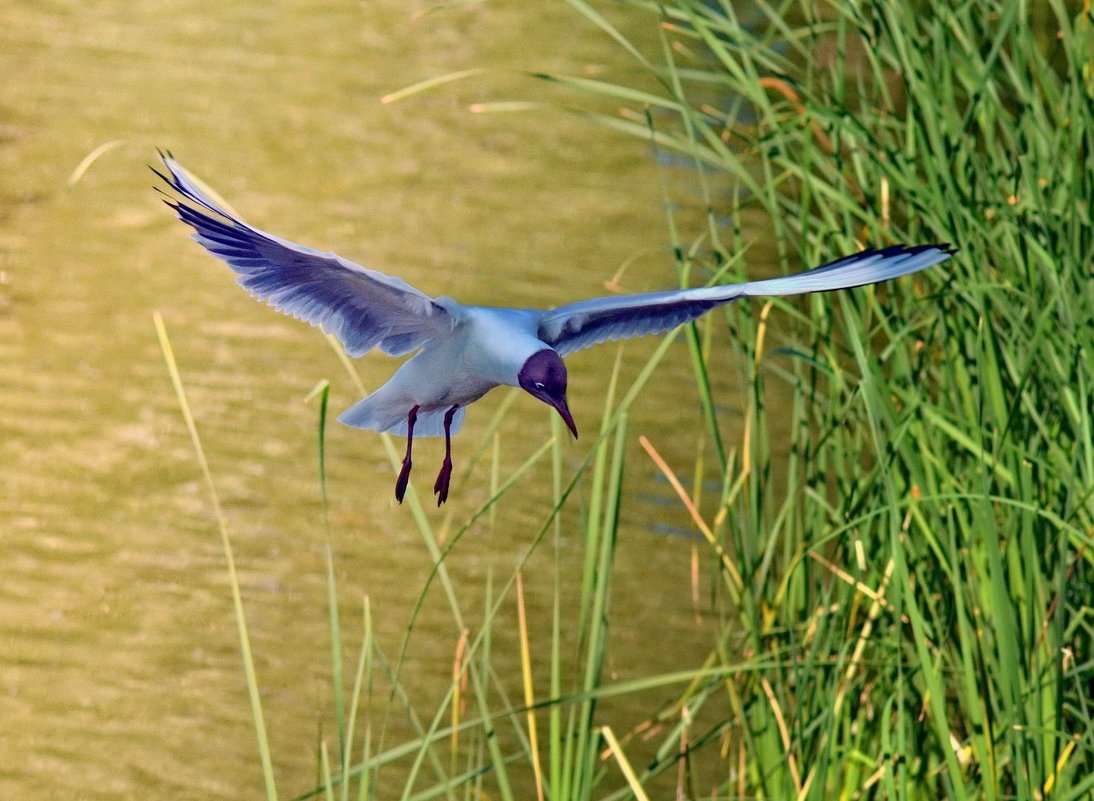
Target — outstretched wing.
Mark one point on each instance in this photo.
(578, 325)
(362, 308)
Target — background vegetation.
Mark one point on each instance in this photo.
(904, 600)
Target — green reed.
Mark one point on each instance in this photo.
(917, 571)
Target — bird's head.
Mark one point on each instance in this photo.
(543, 376)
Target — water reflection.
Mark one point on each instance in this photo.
(121, 675)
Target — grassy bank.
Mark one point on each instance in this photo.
(904, 599)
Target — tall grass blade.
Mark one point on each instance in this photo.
(229, 558)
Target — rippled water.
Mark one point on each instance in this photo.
(120, 672)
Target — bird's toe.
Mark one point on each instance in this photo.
(444, 478)
(402, 481)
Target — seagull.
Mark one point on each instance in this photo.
(465, 351)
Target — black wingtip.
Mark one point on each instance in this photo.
(164, 155)
(897, 250)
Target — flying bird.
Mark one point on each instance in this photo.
(465, 351)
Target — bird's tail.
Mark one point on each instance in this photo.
(373, 414)
(867, 267)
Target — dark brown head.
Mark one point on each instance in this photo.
(543, 377)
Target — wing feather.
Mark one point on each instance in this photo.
(363, 308)
(578, 325)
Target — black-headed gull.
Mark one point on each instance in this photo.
(465, 351)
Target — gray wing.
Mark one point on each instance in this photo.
(362, 308)
(578, 325)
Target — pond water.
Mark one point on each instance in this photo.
(120, 672)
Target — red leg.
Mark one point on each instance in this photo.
(441, 487)
(404, 473)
